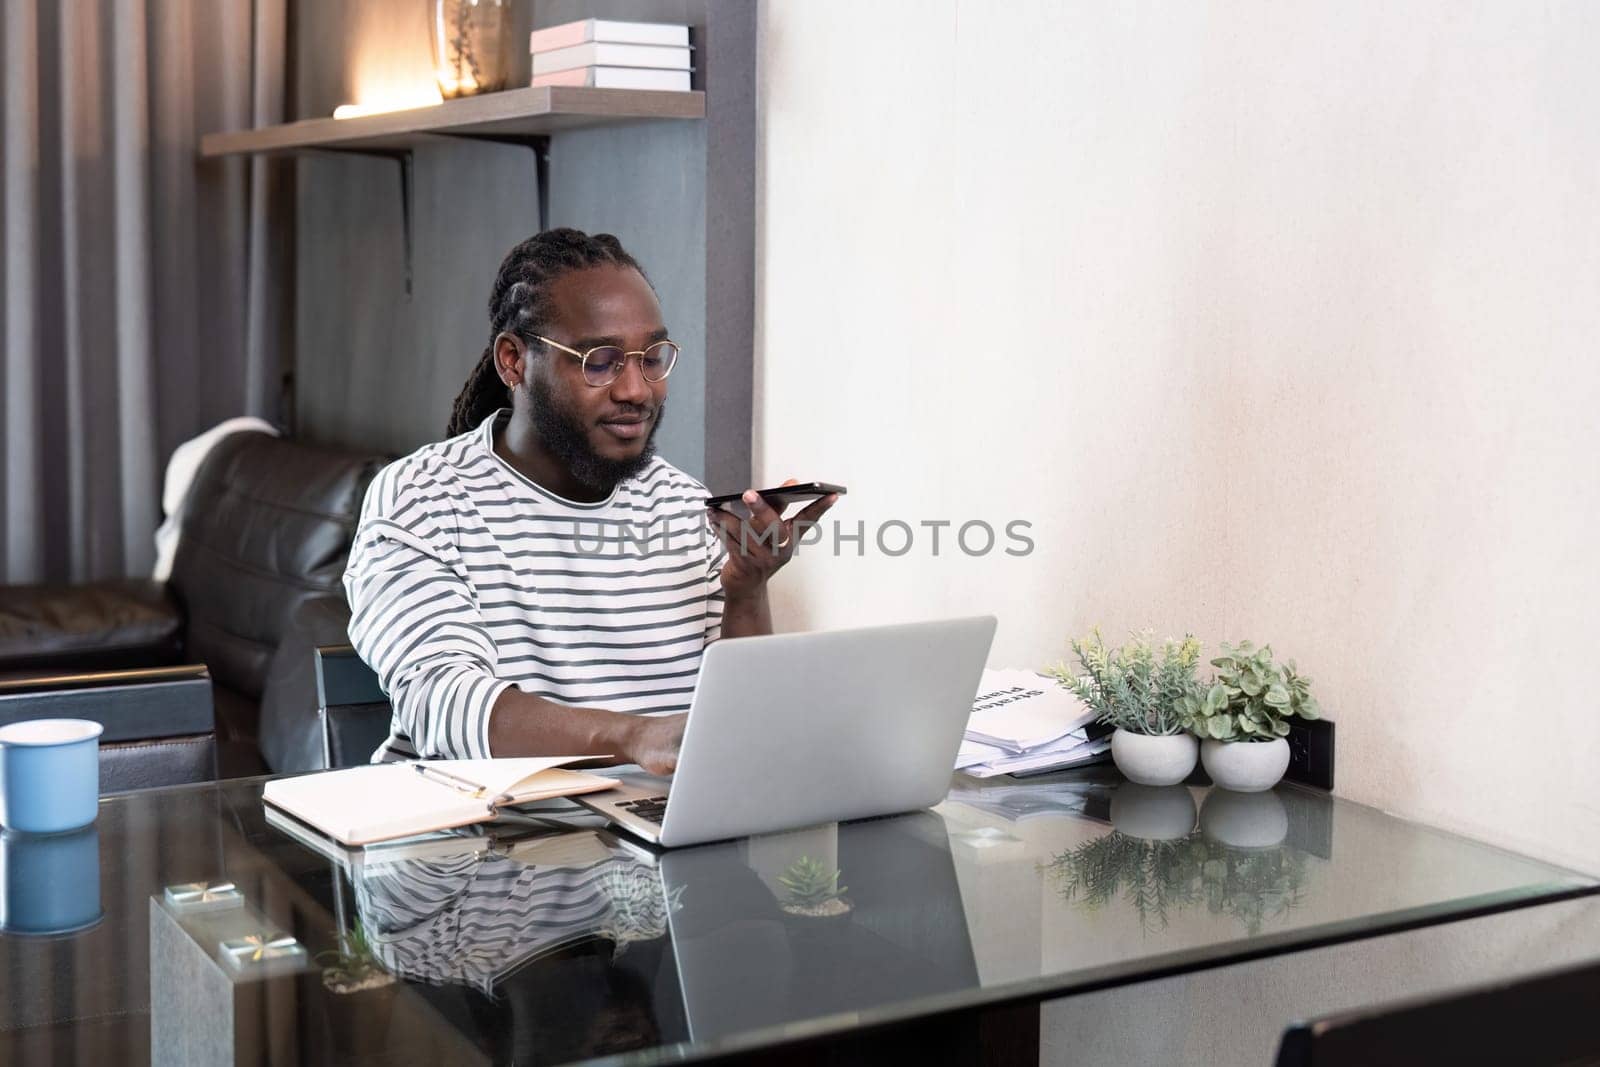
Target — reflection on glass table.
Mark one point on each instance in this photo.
(1158, 861)
(567, 944)
(49, 883)
(592, 945)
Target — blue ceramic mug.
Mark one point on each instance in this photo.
(49, 775)
(49, 883)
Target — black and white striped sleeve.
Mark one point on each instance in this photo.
(416, 622)
(717, 556)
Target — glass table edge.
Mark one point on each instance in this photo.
(1110, 975)
(260, 780)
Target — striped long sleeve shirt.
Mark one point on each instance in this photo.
(466, 578)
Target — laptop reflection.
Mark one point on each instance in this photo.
(584, 943)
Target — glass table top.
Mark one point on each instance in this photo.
(195, 922)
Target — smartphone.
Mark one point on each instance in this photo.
(778, 498)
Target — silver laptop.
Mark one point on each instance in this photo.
(793, 730)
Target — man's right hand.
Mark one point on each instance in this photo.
(525, 724)
(653, 742)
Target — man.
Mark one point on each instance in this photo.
(541, 583)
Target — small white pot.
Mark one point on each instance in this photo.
(1153, 812)
(1245, 766)
(1164, 760)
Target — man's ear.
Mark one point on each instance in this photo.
(510, 358)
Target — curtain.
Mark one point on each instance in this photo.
(142, 290)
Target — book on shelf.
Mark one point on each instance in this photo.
(603, 54)
(608, 30)
(617, 78)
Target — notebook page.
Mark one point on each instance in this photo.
(505, 776)
(555, 782)
(374, 803)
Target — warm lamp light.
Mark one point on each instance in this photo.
(421, 98)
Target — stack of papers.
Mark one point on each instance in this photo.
(1023, 723)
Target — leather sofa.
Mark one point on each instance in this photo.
(157, 723)
(266, 532)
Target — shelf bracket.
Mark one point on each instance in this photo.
(539, 144)
(401, 157)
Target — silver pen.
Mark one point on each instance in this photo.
(472, 789)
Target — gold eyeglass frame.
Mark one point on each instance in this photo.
(583, 358)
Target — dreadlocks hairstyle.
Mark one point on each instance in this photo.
(520, 305)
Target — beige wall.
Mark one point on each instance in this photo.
(1276, 321)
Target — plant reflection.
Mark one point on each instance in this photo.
(1253, 887)
(1160, 878)
(1153, 876)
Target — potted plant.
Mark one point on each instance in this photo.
(1243, 718)
(813, 890)
(353, 966)
(1142, 694)
(359, 1012)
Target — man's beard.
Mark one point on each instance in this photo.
(564, 436)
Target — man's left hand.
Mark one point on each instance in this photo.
(759, 546)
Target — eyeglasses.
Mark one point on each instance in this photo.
(605, 364)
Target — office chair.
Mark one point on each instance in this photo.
(351, 706)
(160, 728)
(1547, 1019)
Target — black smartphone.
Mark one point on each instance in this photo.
(778, 498)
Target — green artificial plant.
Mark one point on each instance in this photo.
(1136, 687)
(813, 888)
(1251, 697)
(354, 965)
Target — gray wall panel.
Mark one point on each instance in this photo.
(347, 230)
(728, 49)
(645, 184)
(375, 369)
(474, 200)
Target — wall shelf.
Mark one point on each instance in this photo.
(672, 172)
(516, 114)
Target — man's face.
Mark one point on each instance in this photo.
(603, 434)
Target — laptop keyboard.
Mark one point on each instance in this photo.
(650, 809)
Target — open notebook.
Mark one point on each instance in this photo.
(389, 800)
